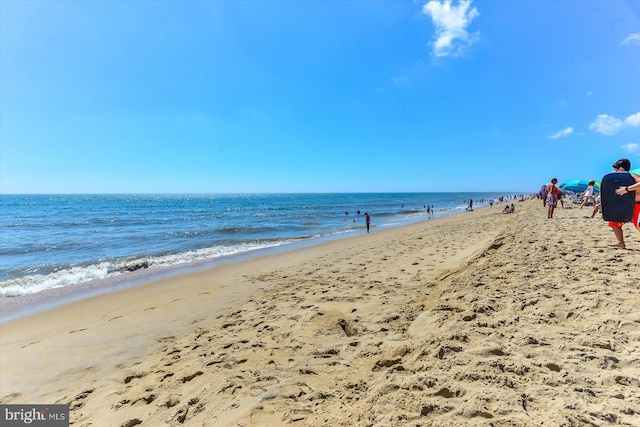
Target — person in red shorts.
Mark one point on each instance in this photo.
(624, 165)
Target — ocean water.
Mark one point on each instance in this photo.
(51, 241)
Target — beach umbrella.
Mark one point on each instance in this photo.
(578, 185)
(635, 171)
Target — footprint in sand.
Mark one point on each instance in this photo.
(130, 378)
(192, 376)
(78, 401)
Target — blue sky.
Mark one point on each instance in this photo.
(315, 96)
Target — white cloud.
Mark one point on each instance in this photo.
(606, 125)
(563, 133)
(451, 22)
(632, 147)
(633, 120)
(633, 38)
(609, 125)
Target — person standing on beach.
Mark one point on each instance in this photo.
(367, 219)
(624, 166)
(552, 193)
(543, 195)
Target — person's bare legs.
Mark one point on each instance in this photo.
(588, 199)
(620, 236)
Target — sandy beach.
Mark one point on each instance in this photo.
(478, 318)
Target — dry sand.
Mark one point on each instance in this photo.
(475, 319)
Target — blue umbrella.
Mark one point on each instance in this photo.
(578, 186)
(636, 171)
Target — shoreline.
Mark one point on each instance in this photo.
(118, 237)
(484, 317)
(13, 308)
